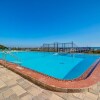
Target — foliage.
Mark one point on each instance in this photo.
(2, 47)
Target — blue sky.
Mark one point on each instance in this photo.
(29, 23)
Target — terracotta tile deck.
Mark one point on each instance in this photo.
(15, 87)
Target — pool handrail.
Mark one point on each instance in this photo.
(12, 55)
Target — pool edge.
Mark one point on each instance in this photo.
(54, 84)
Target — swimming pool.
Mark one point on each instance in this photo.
(57, 65)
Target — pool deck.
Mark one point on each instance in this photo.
(15, 87)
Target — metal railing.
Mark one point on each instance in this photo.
(12, 55)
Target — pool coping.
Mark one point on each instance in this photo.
(79, 84)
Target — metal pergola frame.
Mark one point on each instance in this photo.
(57, 47)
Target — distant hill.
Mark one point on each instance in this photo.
(3, 47)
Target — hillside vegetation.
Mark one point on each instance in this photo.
(3, 47)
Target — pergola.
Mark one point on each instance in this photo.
(59, 47)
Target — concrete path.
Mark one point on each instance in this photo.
(14, 87)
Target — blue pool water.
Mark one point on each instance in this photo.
(60, 66)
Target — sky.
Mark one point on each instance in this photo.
(30, 23)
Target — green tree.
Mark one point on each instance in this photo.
(2, 47)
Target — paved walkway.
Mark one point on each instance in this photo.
(14, 87)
